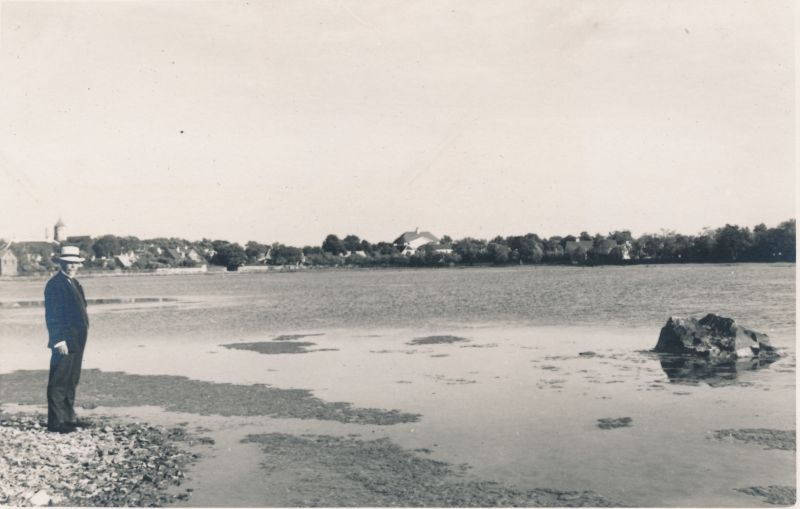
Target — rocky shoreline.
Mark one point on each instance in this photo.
(107, 463)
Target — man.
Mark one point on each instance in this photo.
(67, 326)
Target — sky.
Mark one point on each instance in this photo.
(285, 121)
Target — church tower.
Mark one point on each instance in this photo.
(60, 231)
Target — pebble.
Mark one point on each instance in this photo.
(102, 465)
(40, 498)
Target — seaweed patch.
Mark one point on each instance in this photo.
(436, 340)
(269, 348)
(378, 473)
(181, 394)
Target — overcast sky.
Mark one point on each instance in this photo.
(285, 121)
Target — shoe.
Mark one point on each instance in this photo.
(80, 424)
(62, 428)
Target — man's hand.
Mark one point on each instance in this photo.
(61, 346)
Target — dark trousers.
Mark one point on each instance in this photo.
(65, 373)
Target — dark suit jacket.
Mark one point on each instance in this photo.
(65, 312)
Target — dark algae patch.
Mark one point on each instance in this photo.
(181, 394)
(328, 471)
(270, 348)
(292, 337)
(614, 422)
(105, 464)
(281, 345)
(777, 495)
(436, 340)
(767, 438)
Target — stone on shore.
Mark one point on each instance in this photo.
(40, 498)
(107, 464)
(713, 336)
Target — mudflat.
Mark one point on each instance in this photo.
(476, 416)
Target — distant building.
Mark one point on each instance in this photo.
(31, 256)
(208, 253)
(193, 255)
(261, 257)
(60, 231)
(409, 242)
(625, 250)
(572, 245)
(124, 261)
(36, 250)
(173, 254)
(8, 262)
(442, 248)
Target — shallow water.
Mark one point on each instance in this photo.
(515, 400)
(761, 295)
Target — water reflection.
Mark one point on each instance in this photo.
(692, 370)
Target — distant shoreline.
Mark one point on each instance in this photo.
(282, 270)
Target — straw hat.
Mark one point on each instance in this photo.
(69, 254)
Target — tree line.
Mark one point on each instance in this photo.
(730, 243)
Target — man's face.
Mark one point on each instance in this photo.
(70, 268)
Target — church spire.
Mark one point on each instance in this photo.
(60, 231)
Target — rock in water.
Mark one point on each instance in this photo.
(713, 336)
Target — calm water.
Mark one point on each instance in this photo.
(517, 402)
(761, 296)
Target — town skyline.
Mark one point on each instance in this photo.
(727, 244)
(247, 120)
(50, 234)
